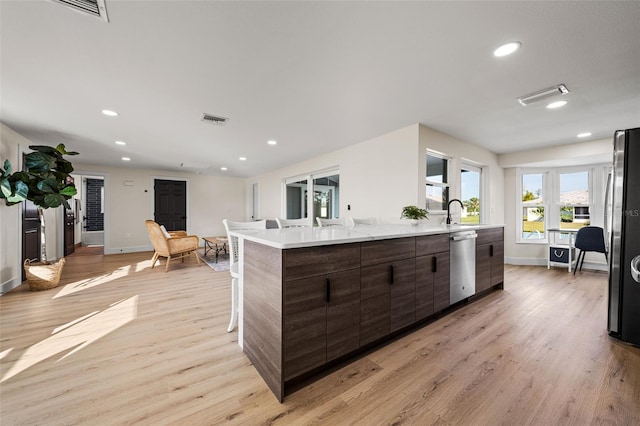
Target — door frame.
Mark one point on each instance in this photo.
(105, 180)
(152, 198)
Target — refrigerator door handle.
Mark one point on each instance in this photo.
(635, 268)
(607, 211)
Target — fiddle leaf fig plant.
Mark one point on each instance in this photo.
(414, 212)
(46, 181)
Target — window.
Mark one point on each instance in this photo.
(470, 184)
(325, 203)
(532, 206)
(574, 200)
(296, 196)
(437, 182)
(326, 196)
(554, 198)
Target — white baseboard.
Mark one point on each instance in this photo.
(543, 262)
(9, 285)
(127, 249)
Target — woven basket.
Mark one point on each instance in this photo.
(43, 276)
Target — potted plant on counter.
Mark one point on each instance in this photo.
(46, 182)
(414, 214)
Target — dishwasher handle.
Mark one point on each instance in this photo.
(464, 237)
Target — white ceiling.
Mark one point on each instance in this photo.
(315, 76)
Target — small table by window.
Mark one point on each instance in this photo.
(218, 244)
(561, 250)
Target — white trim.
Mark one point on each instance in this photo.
(309, 178)
(133, 249)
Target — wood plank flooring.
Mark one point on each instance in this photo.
(120, 344)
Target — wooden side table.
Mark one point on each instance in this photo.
(218, 244)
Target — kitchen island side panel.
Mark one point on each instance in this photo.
(262, 287)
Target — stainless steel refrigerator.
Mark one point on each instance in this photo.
(623, 227)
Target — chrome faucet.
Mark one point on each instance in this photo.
(449, 209)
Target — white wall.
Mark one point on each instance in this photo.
(10, 243)
(210, 199)
(579, 154)
(459, 151)
(377, 177)
(380, 176)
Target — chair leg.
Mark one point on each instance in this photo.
(166, 268)
(577, 261)
(154, 259)
(582, 259)
(195, 253)
(234, 305)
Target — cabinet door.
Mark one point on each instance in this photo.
(374, 302)
(403, 293)
(441, 281)
(343, 313)
(483, 267)
(497, 263)
(305, 321)
(425, 266)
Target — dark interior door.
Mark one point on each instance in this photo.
(170, 204)
(30, 234)
(69, 232)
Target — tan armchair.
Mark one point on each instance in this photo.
(176, 246)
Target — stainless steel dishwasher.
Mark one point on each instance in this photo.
(462, 246)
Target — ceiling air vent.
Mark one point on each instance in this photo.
(214, 119)
(541, 95)
(95, 8)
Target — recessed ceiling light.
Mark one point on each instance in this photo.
(557, 104)
(109, 113)
(224, 169)
(507, 49)
(126, 159)
(242, 158)
(121, 143)
(584, 135)
(272, 142)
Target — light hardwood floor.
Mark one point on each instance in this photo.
(118, 343)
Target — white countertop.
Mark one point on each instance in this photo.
(289, 238)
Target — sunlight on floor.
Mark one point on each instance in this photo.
(93, 282)
(77, 334)
(141, 266)
(5, 353)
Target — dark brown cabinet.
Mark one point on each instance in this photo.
(387, 287)
(321, 320)
(432, 274)
(489, 258)
(321, 306)
(305, 307)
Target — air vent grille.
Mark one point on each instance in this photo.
(95, 8)
(214, 119)
(543, 94)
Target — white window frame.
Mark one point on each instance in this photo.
(546, 185)
(438, 184)
(309, 178)
(466, 165)
(551, 196)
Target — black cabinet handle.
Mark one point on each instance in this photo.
(390, 274)
(491, 250)
(328, 290)
(434, 264)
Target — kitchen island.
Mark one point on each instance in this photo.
(311, 298)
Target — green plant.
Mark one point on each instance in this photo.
(46, 182)
(414, 212)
